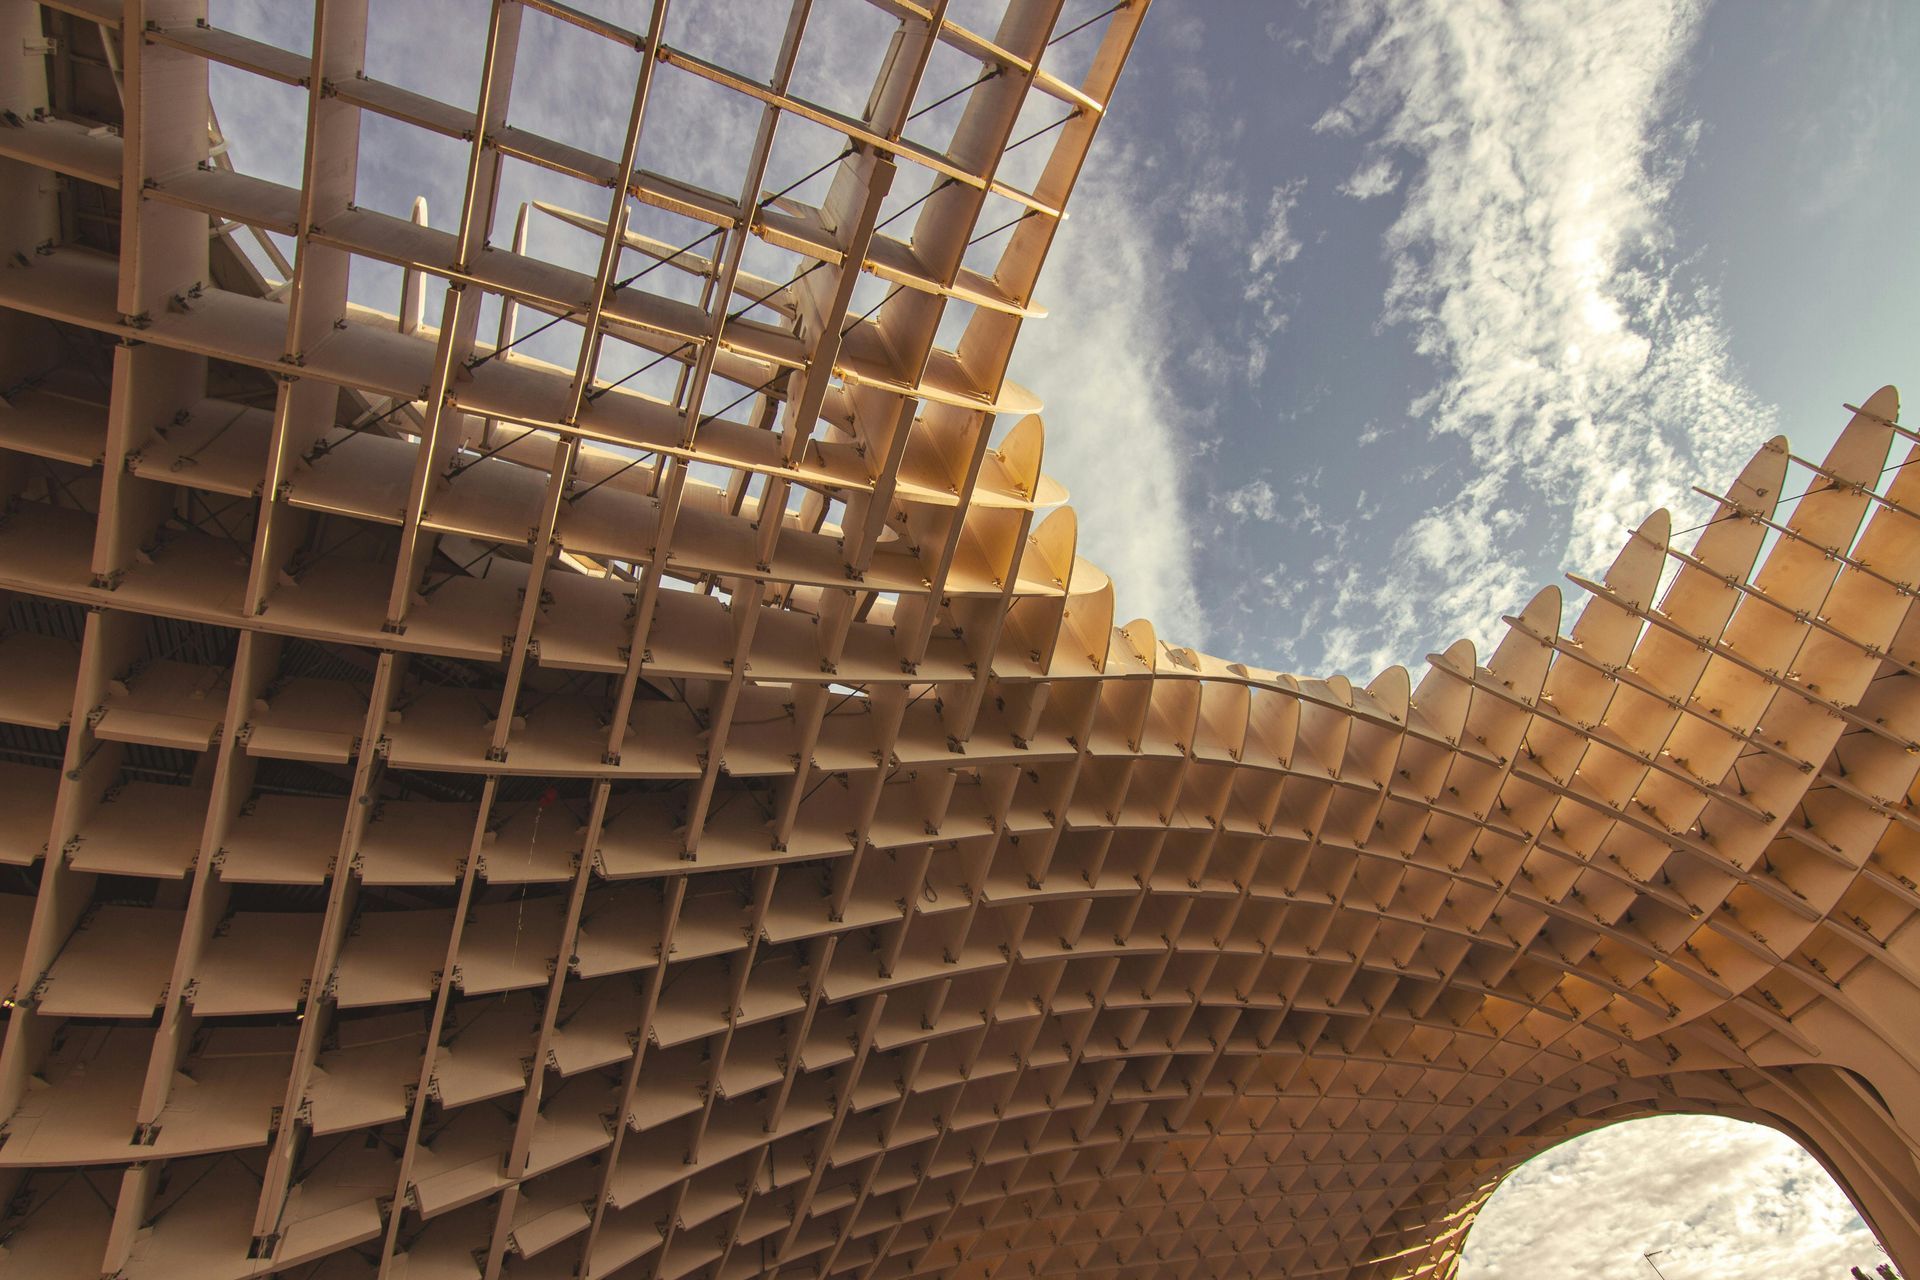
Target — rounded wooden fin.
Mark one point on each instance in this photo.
(1020, 454)
(1052, 544)
(1522, 655)
(1392, 689)
(1143, 641)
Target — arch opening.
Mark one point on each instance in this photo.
(1706, 1195)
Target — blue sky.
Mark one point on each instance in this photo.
(1369, 319)
(1453, 294)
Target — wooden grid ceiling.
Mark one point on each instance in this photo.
(617, 769)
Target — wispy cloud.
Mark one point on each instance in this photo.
(1579, 384)
(1113, 437)
(1254, 500)
(1723, 1198)
(1856, 70)
(1376, 177)
(1275, 245)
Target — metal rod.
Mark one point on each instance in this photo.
(1076, 30)
(941, 102)
(812, 174)
(618, 471)
(597, 392)
(932, 191)
(987, 235)
(776, 291)
(1041, 133)
(866, 315)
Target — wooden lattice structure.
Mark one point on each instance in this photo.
(679, 807)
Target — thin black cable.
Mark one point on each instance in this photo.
(597, 392)
(208, 442)
(46, 465)
(1794, 497)
(81, 358)
(680, 695)
(767, 385)
(488, 554)
(1076, 30)
(675, 255)
(1731, 515)
(941, 102)
(88, 1184)
(866, 315)
(571, 312)
(767, 200)
(215, 515)
(567, 686)
(1041, 133)
(325, 447)
(786, 713)
(932, 191)
(829, 777)
(341, 545)
(775, 292)
(758, 803)
(213, 1164)
(721, 808)
(477, 361)
(743, 398)
(455, 472)
(858, 689)
(986, 235)
(617, 471)
(28, 383)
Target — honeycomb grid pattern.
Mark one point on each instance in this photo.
(615, 767)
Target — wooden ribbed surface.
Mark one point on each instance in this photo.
(686, 810)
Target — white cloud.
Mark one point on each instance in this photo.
(1726, 1199)
(1273, 247)
(1276, 245)
(1209, 212)
(1212, 213)
(1113, 438)
(1374, 178)
(1185, 32)
(1253, 500)
(1580, 387)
